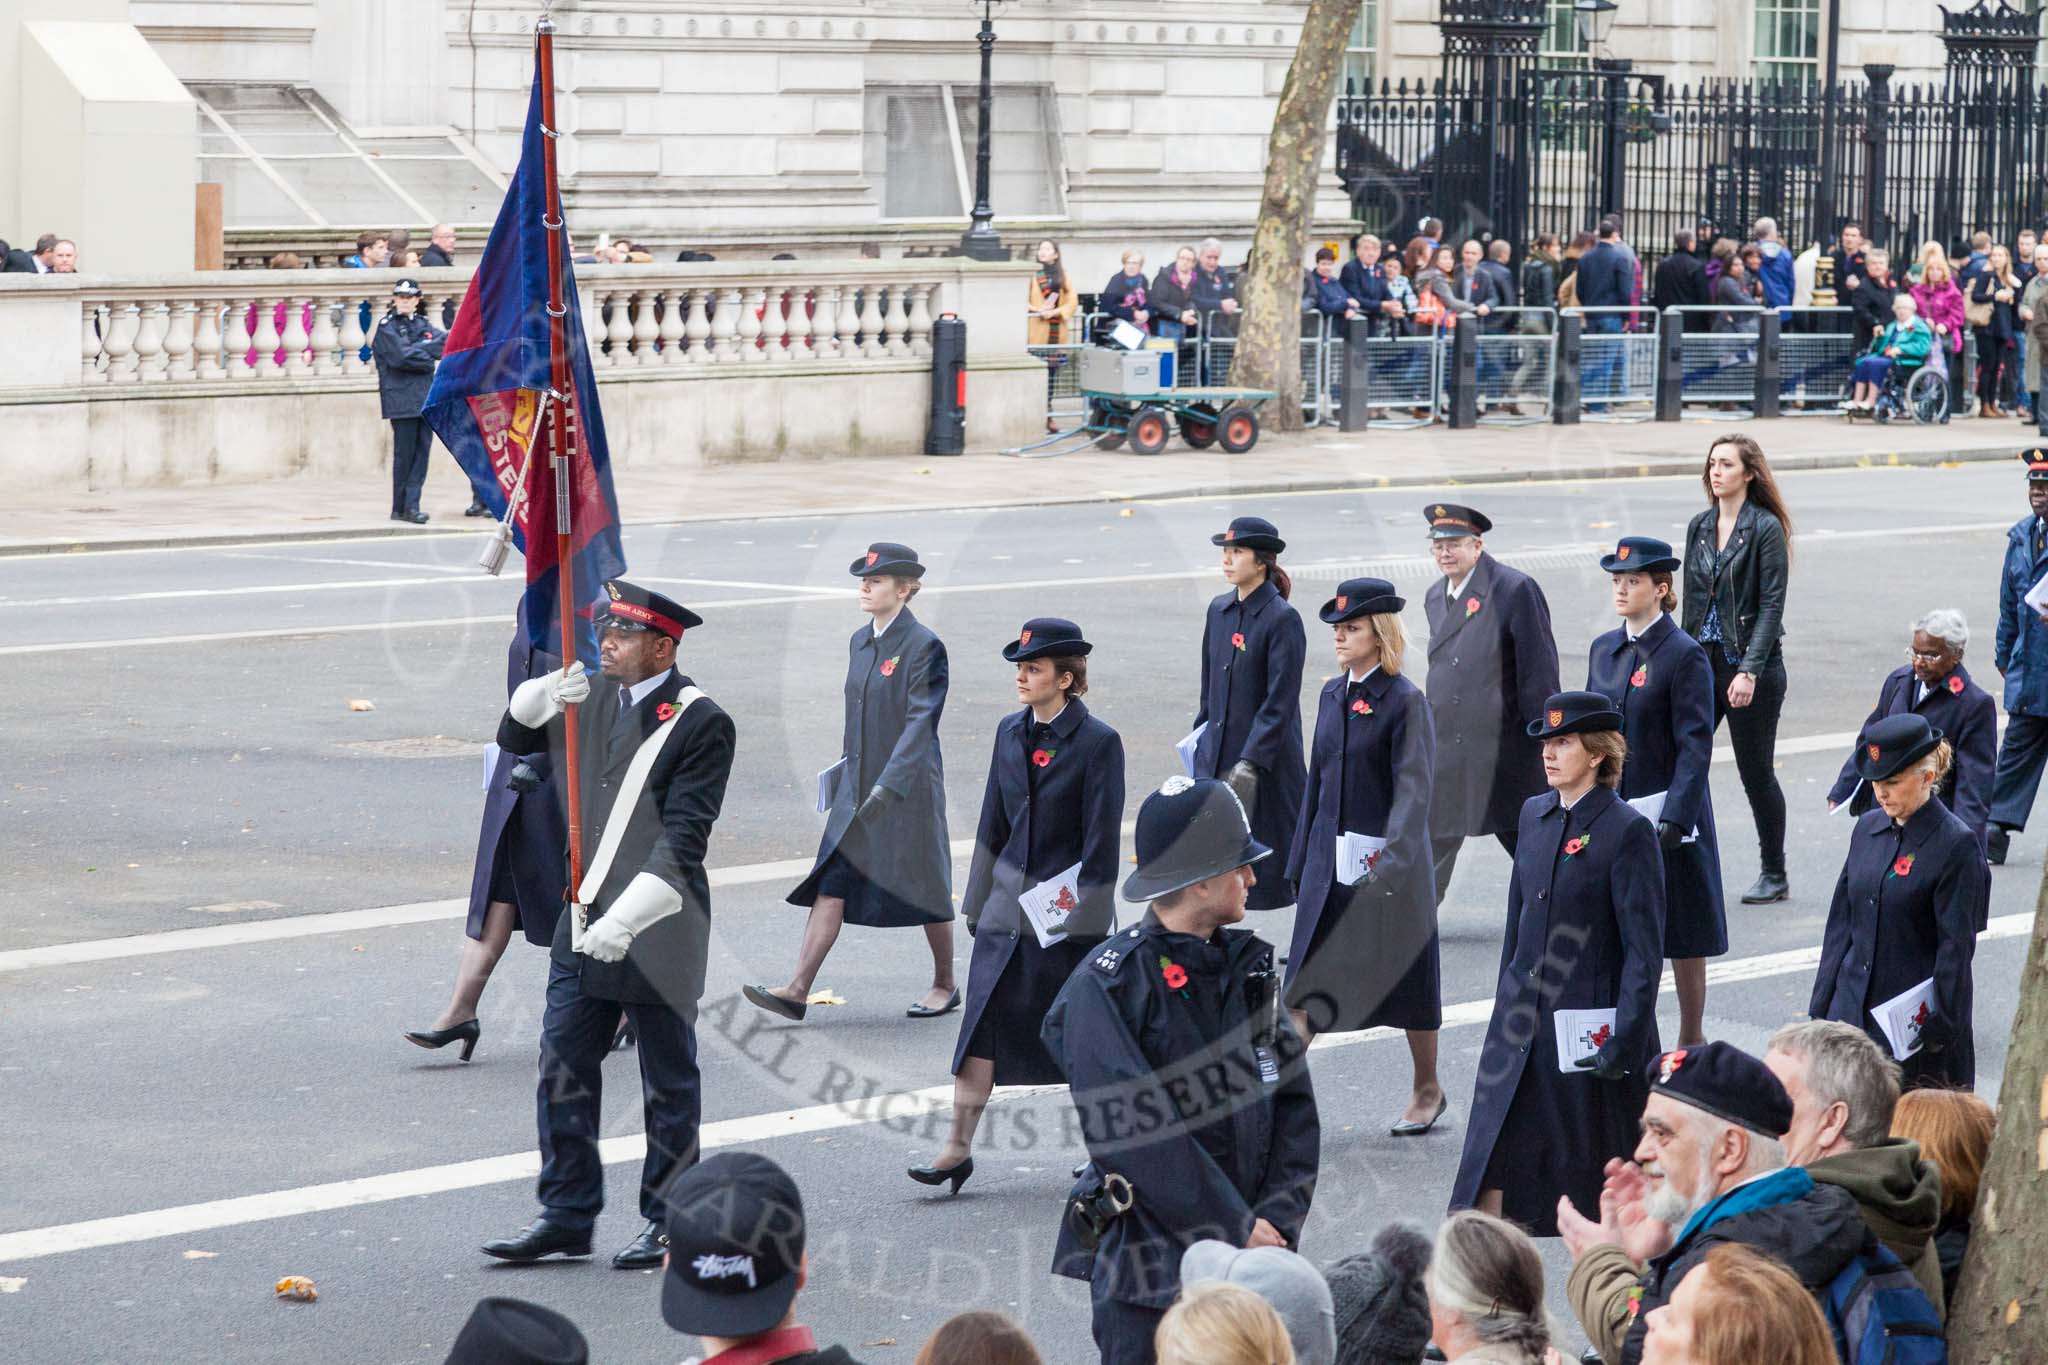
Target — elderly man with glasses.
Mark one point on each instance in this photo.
(1933, 683)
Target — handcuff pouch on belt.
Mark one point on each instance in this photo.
(1096, 1201)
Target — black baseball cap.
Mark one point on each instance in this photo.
(735, 1244)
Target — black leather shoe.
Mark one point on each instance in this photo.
(1995, 841)
(645, 1251)
(537, 1239)
(763, 998)
(954, 1175)
(1768, 887)
(465, 1033)
(476, 508)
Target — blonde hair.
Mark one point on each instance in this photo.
(1953, 1128)
(1216, 1323)
(1938, 762)
(1751, 1308)
(1927, 275)
(1609, 752)
(1393, 636)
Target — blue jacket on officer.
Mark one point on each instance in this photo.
(1191, 1086)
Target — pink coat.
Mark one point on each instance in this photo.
(1942, 304)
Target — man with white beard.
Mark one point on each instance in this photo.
(1710, 1169)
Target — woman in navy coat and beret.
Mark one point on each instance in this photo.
(1364, 953)
(1907, 905)
(1662, 682)
(1051, 820)
(1253, 646)
(1585, 931)
(885, 861)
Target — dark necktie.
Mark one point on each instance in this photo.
(622, 723)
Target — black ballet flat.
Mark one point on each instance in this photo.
(1410, 1128)
(775, 1004)
(955, 1175)
(465, 1033)
(920, 1012)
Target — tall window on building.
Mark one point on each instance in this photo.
(1561, 45)
(1787, 41)
(1363, 47)
(918, 146)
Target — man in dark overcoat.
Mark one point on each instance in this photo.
(1191, 1084)
(406, 349)
(653, 755)
(1492, 662)
(2022, 660)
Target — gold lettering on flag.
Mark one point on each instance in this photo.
(505, 421)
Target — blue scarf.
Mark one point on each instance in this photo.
(1779, 1187)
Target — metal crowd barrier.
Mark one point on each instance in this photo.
(1063, 368)
(1385, 382)
(1517, 373)
(1217, 348)
(1617, 367)
(1816, 355)
(1717, 369)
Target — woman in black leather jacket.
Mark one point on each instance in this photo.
(1737, 559)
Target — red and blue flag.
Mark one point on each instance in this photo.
(485, 403)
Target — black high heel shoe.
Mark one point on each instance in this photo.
(467, 1033)
(956, 1174)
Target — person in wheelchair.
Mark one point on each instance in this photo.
(1895, 353)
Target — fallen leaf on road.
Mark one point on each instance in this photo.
(361, 704)
(1127, 512)
(11, 1284)
(880, 1341)
(297, 1287)
(1599, 525)
(825, 997)
(201, 1255)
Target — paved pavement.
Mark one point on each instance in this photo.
(317, 508)
(229, 893)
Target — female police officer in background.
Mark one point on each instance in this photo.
(1365, 949)
(1054, 803)
(1585, 931)
(1659, 678)
(1907, 906)
(1253, 645)
(885, 862)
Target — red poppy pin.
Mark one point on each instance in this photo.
(1672, 1061)
(1873, 751)
(1237, 639)
(1471, 606)
(1623, 551)
(1556, 718)
(874, 555)
(1904, 866)
(1955, 684)
(1342, 602)
(1024, 639)
(1361, 707)
(1041, 757)
(1175, 975)
(1578, 845)
(1635, 1301)
(1639, 677)
(889, 665)
(664, 711)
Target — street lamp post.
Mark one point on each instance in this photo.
(1595, 20)
(981, 242)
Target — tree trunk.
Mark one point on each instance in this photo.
(2000, 1313)
(1268, 352)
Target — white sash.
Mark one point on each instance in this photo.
(615, 830)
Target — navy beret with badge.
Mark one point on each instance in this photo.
(633, 608)
(1047, 637)
(1189, 831)
(1361, 597)
(1250, 533)
(887, 557)
(1889, 746)
(1448, 521)
(1640, 554)
(1575, 713)
(735, 1242)
(1726, 1082)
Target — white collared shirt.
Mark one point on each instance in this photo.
(1055, 715)
(1357, 678)
(881, 627)
(1451, 590)
(641, 690)
(1920, 691)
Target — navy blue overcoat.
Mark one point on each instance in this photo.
(1906, 908)
(1585, 930)
(895, 693)
(1664, 685)
(2021, 649)
(1055, 797)
(1252, 653)
(1965, 715)
(524, 835)
(1366, 956)
(1492, 665)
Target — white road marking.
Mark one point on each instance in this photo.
(186, 1219)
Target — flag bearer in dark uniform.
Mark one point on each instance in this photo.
(1907, 906)
(1051, 822)
(1253, 646)
(1365, 949)
(406, 349)
(1189, 1080)
(885, 861)
(653, 755)
(2022, 659)
(521, 862)
(1933, 683)
(1491, 663)
(1585, 932)
(1662, 682)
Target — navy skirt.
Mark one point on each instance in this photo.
(868, 903)
(1005, 1028)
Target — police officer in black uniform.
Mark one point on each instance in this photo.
(1191, 1084)
(653, 756)
(406, 349)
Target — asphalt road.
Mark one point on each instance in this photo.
(184, 767)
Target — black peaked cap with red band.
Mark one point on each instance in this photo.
(631, 607)
(2035, 458)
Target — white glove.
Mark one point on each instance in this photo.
(537, 701)
(647, 900)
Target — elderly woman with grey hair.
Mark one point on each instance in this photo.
(1485, 1285)
(1933, 683)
